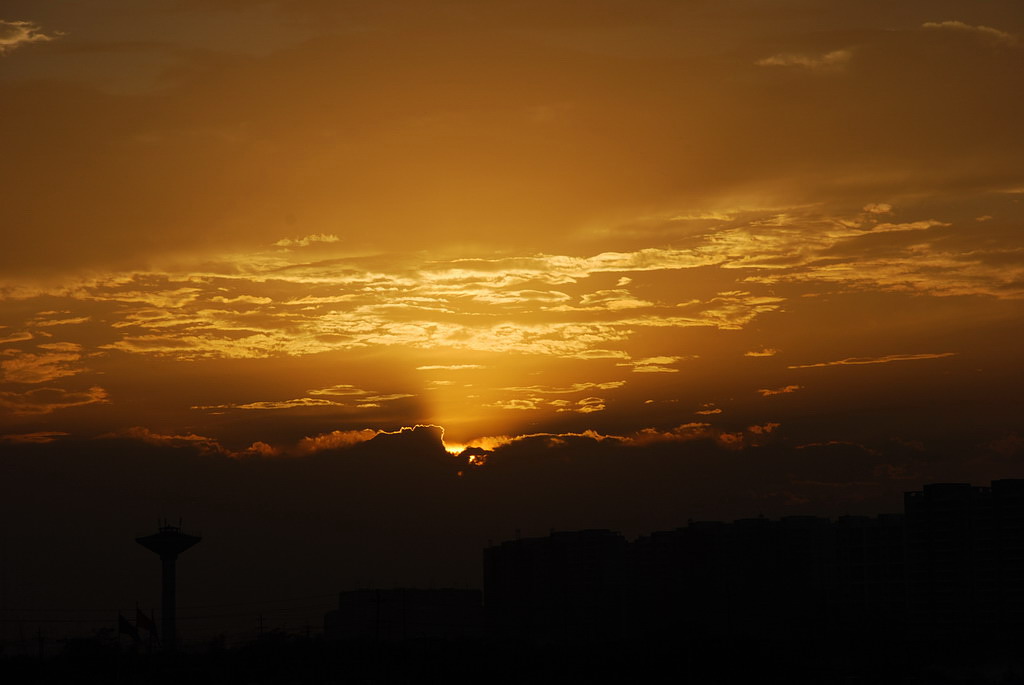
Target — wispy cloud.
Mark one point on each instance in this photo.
(653, 364)
(686, 432)
(14, 34)
(46, 323)
(878, 208)
(48, 400)
(574, 388)
(535, 397)
(835, 59)
(708, 409)
(60, 347)
(515, 305)
(200, 442)
(28, 367)
(645, 436)
(520, 404)
(389, 398)
(857, 361)
(607, 300)
(247, 299)
(921, 269)
(297, 403)
(341, 389)
(362, 399)
(307, 241)
(784, 390)
(587, 405)
(985, 31)
(335, 440)
(39, 437)
(835, 443)
(339, 304)
(16, 337)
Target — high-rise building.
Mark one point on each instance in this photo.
(564, 588)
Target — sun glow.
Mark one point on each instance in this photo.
(455, 449)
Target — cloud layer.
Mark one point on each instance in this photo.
(247, 225)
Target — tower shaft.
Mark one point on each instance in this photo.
(168, 601)
(168, 543)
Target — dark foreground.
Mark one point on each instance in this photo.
(277, 658)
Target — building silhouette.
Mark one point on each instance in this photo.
(406, 614)
(868, 590)
(964, 550)
(951, 567)
(567, 587)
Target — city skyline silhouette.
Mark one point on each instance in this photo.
(904, 586)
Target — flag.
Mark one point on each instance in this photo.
(144, 621)
(123, 626)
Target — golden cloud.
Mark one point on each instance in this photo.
(857, 361)
(46, 323)
(365, 398)
(520, 404)
(14, 34)
(587, 405)
(335, 440)
(341, 389)
(784, 390)
(449, 367)
(16, 337)
(39, 437)
(266, 305)
(307, 241)
(297, 403)
(835, 59)
(878, 208)
(574, 388)
(48, 400)
(985, 31)
(653, 364)
(27, 367)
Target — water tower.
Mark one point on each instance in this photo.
(168, 542)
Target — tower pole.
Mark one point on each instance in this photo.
(168, 600)
(168, 543)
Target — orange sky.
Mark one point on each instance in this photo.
(648, 260)
(270, 227)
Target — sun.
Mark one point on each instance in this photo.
(455, 449)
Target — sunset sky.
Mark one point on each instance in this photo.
(777, 241)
